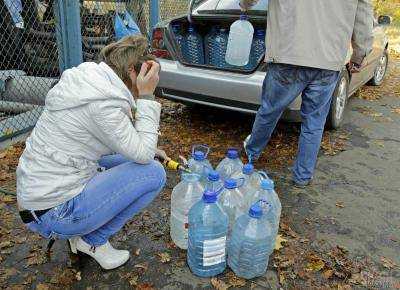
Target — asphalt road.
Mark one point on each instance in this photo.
(354, 203)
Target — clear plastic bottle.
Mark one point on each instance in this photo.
(194, 47)
(208, 228)
(251, 176)
(199, 163)
(250, 244)
(257, 49)
(230, 165)
(267, 194)
(179, 38)
(184, 195)
(240, 42)
(214, 183)
(218, 49)
(209, 41)
(232, 201)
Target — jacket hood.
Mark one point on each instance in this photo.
(89, 82)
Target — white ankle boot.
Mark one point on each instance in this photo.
(108, 257)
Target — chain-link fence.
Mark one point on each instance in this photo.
(31, 54)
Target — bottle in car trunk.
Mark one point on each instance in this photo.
(194, 53)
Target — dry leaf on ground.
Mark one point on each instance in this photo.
(164, 257)
(219, 284)
(42, 286)
(315, 263)
(235, 281)
(388, 263)
(145, 286)
(279, 242)
(340, 204)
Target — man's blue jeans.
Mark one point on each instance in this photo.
(108, 201)
(282, 84)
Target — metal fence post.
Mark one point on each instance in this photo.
(68, 31)
(154, 14)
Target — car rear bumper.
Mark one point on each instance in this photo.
(221, 89)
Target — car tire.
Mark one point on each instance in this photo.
(380, 70)
(339, 101)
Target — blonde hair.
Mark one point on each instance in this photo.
(126, 54)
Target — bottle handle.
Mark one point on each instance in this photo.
(242, 180)
(263, 174)
(201, 146)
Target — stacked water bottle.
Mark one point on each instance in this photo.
(225, 216)
(212, 48)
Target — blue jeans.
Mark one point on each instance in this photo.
(107, 202)
(282, 84)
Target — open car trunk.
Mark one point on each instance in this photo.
(204, 27)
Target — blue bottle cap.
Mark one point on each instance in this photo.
(267, 184)
(210, 196)
(191, 28)
(230, 183)
(199, 156)
(256, 211)
(232, 153)
(243, 17)
(248, 169)
(213, 175)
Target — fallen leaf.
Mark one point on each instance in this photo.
(396, 110)
(8, 199)
(133, 280)
(315, 263)
(6, 244)
(219, 284)
(388, 263)
(164, 257)
(344, 287)
(235, 281)
(282, 278)
(279, 242)
(340, 204)
(137, 252)
(42, 286)
(327, 274)
(143, 266)
(145, 286)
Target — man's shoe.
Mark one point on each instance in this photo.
(108, 257)
(245, 142)
(302, 184)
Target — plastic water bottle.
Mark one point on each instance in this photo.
(180, 39)
(214, 183)
(184, 196)
(218, 49)
(194, 47)
(249, 246)
(232, 200)
(230, 165)
(199, 163)
(257, 49)
(208, 228)
(267, 194)
(209, 42)
(240, 42)
(251, 176)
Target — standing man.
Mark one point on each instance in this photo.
(307, 44)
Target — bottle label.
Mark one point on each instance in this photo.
(214, 251)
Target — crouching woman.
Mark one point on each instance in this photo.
(88, 166)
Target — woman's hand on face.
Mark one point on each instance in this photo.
(148, 78)
(162, 155)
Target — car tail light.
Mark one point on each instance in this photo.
(158, 45)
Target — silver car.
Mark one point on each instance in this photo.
(240, 90)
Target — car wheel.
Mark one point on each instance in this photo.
(380, 71)
(339, 101)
